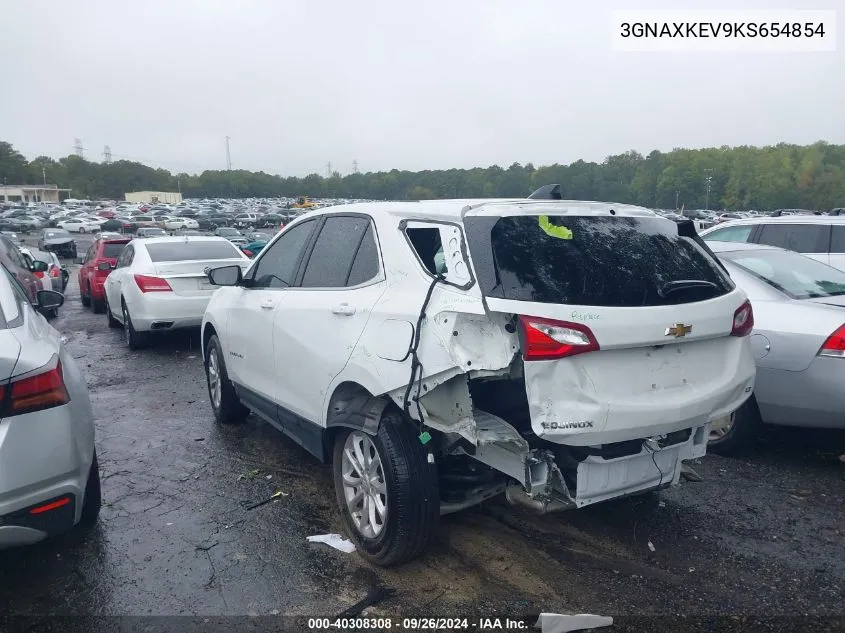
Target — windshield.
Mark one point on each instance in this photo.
(796, 276)
(599, 261)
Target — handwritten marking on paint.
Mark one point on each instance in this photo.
(584, 316)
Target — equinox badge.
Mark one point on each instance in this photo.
(678, 330)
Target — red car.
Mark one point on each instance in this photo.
(96, 266)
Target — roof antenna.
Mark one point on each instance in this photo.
(547, 192)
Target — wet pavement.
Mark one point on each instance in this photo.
(761, 535)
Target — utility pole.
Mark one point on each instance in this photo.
(228, 156)
(677, 196)
(355, 166)
(707, 180)
(329, 169)
(179, 185)
(77, 146)
(44, 174)
(107, 154)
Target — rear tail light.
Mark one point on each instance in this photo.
(743, 320)
(34, 392)
(835, 344)
(38, 274)
(55, 272)
(147, 283)
(248, 252)
(547, 339)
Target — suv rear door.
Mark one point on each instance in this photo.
(810, 239)
(318, 322)
(649, 314)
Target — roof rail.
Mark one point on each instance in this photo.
(547, 192)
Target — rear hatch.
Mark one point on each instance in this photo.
(183, 263)
(626, 327)
(111, 251)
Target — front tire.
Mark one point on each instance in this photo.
(113, 323)
(225, 404)
(741, 433)
(134, 339)
(81, 230)
(387, 490)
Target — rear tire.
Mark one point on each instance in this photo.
(134, 339)
(741, 435)
(411, 498)
(86, 299)
(93, 497)
(99, 305)
(225, 404)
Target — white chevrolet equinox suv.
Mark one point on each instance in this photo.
(440, 353)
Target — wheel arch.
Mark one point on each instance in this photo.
(208, 330)
(351, 406)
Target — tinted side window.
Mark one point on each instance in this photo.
(365, 266)
(331, 259)
(730, 234)
(837, 240)
(277, 266)
(801, 238)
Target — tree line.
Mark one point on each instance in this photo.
(734, 178)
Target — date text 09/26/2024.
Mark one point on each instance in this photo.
(419, 624)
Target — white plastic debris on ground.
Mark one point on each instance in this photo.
(333, 540)
(557, 623)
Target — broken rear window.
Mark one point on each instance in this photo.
(599, 261)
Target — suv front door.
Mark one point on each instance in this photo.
(249, 332)
(319, 322)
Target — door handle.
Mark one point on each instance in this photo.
(268, 304)
(344, 309)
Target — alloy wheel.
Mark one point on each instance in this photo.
(214, 385)
(364, 484)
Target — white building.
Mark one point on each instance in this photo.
(153, 197)
(31, 193)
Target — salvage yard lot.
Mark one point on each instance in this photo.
(759, 535)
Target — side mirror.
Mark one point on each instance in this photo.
(226, 276)
(104, 266)
(37, 266)
(49, 299)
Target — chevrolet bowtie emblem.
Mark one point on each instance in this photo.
(678, 330)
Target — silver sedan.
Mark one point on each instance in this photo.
(798, 342)
(49, 479)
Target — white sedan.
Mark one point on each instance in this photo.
(79, 225)
(159, 283)
(173, 224)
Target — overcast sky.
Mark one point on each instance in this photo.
(390, 83)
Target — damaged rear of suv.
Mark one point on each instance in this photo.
(561, 353)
